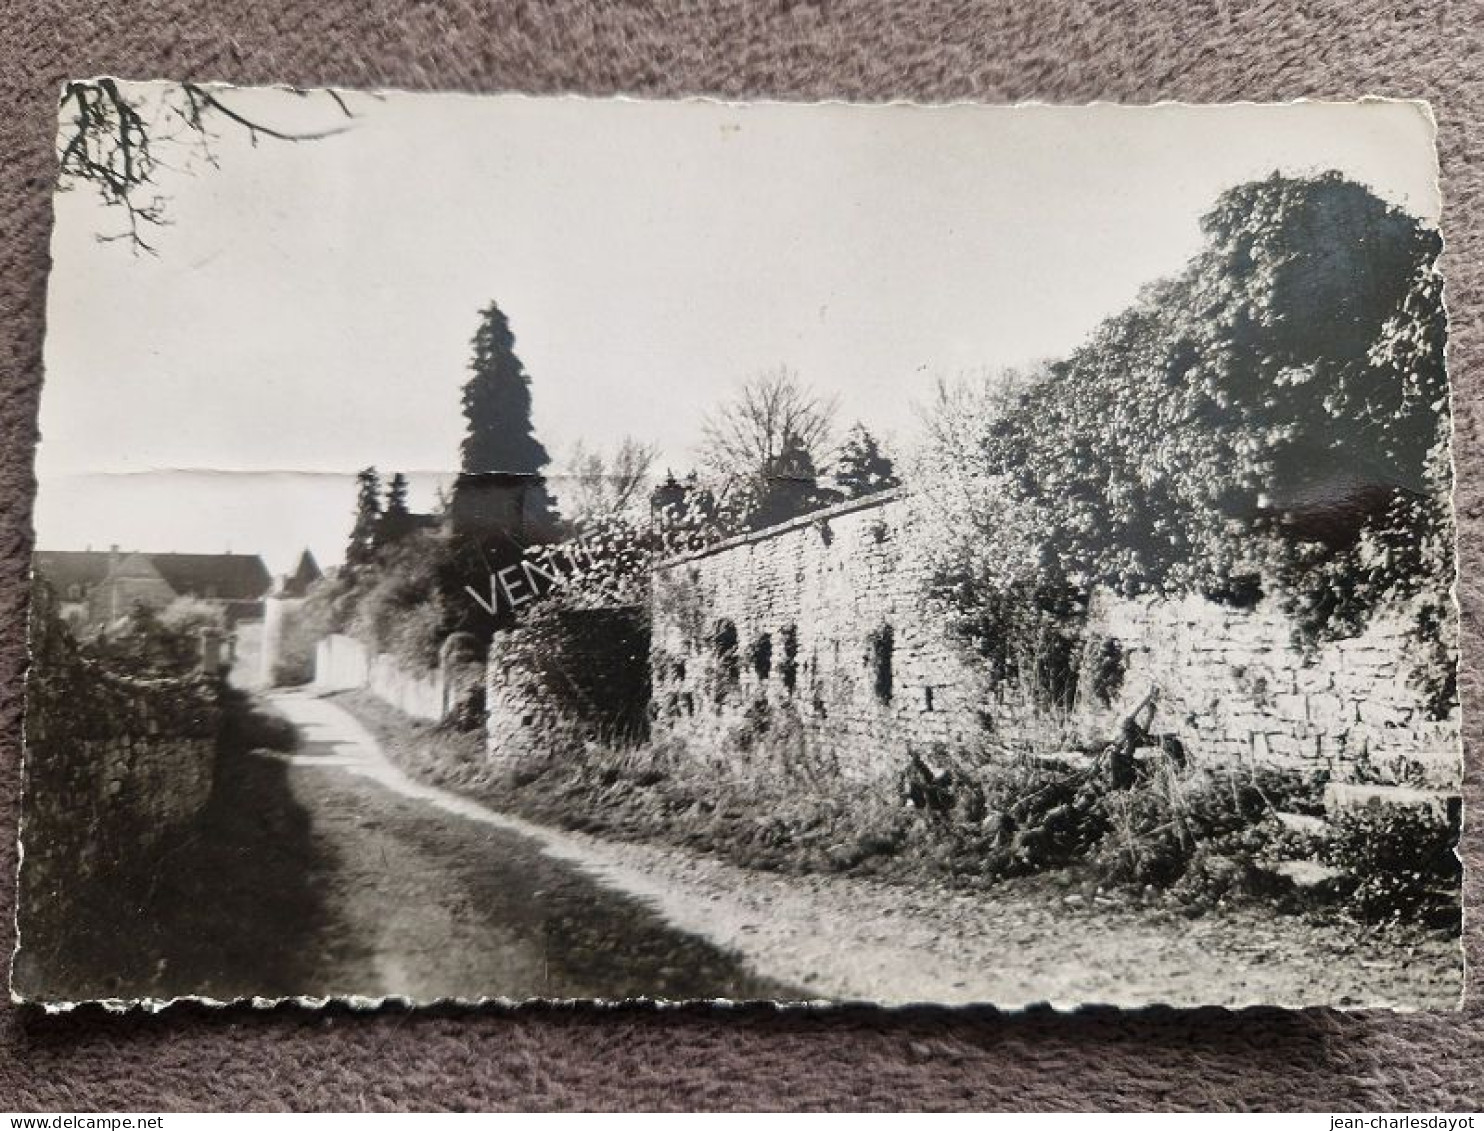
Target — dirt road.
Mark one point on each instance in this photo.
(426, 894)
(330, 873)
(414, 893)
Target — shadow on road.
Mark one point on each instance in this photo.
(221, 910)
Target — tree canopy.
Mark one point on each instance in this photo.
(500, 503)
(110, 140)
(766, 443)
(1272, 421)
(861, 468)
(363, 534)
(597, 483)
(500, 435)
(396, 521)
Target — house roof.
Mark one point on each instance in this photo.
(65, 568)
(226, 577)
(305, 574)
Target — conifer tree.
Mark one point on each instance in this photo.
(396, 519)
(497, 404)
(501, 495)
(861, 467)
(362, 547)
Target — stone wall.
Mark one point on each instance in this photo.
(417, 694)
(115, 767)
(821, 619)
(821, 624)
(342, 663)
(522, 722)
(1235, 686)
(566, 677)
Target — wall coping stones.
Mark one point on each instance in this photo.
(824, 514)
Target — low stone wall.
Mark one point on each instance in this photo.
(1235, 686)
(114, 768)
(342, 663)
(420, 696)
(568, 677)
(818, 630)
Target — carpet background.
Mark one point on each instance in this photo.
(1054, 50)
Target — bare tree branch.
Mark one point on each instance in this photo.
(107, 143)
(596, 484)
(744, 439)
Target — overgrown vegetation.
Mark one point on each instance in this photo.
(1398, 862)
(1271, 425)
(1189, 839)
(156, 643)
(1273, 422)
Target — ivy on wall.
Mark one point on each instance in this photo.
(1271, 423)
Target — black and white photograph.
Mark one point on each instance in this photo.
(507, 548)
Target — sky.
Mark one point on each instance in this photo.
(309, 307)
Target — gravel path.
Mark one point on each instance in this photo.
(427, 897)
(723, 931)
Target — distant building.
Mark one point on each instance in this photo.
(98, 587)
(298, 583)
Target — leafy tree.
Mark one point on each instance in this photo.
(599, 483)
(860, 466)
(690, 515)
(190, 615)
(147, 642)
(1271, 421)
(402, 608)
(362, 548)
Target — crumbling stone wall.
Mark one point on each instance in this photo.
(565, 677)
(1235, 686)
(822, 623)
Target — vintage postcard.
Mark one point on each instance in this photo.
(508, 548)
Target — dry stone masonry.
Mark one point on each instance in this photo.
(822, 620)
(822, 623)
(115, 767)
(565, 678)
